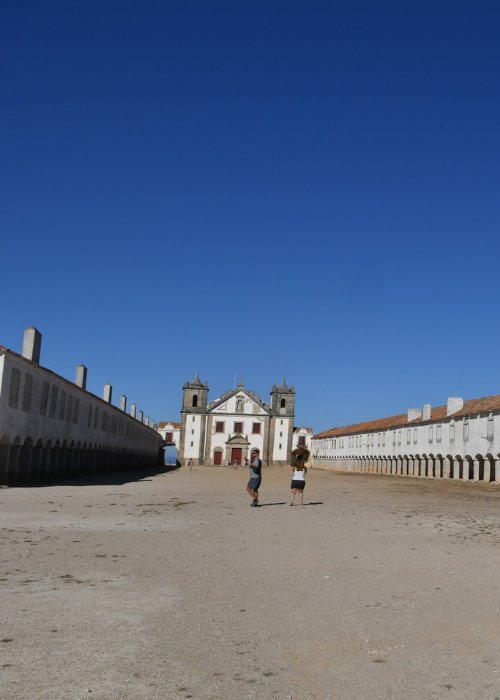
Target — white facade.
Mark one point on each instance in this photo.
(51, 427)
(229, 429)
(170, 432)
(460, 440)
(302, 436)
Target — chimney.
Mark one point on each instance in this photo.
(454, 404)
(123, 403)
(133, 410)
(426, 414)
(81, 376)
(108, 391)
(32, 343)
(413, 414)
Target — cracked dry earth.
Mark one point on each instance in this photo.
(166, 584)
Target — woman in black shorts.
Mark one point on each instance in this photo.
(298, 479)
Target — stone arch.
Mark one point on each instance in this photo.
(438, 466)
(25, 457)
(36, 460)
(448, 467)
(478, 468)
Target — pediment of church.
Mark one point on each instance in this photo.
(237, 439)
(239, 401)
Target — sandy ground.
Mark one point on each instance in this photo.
(168, 585)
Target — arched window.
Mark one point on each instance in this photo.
(195, 400)
(239, 406)
(283, 403)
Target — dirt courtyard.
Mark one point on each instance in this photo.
(166, 584)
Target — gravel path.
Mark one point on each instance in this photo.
(171, 586)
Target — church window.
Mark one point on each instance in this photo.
(169, 437)
(192, 444)
(238, 427)
(219, 426)
(256, 428)
(279, 446)
(195, 400)
(192, 432)
(281, 422)
(193, 419)
(281, 434)
(302, 440)
(283, 403)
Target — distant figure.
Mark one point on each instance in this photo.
(255, 478)
(190, 465)
(299, 458)
(235, 463)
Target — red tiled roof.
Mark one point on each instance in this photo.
(163, 423)
(487, 404)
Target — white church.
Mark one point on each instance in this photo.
(227, 430)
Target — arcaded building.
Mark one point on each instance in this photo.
(458, 440)
(227, 430)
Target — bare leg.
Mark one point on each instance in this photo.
(301, 497)
(253, 494)
(293, 492)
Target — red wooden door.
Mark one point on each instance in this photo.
(217, 458)
(236, 454)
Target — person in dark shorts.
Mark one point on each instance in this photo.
(298, 479)
(255, 478)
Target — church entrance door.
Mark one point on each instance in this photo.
(236, 455)
(218, 458)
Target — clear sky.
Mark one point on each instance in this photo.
(266, 188)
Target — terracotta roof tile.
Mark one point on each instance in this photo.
(486, 404)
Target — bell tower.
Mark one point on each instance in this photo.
(281, 425)
(193, 421)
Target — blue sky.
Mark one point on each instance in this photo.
(260, 188)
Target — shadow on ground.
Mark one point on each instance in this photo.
(107, 478)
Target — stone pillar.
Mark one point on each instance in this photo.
(107, 393)
(497, 471)
(476, 470)
(430, 467)
(423, 467)
(446, 468)
(465, 470)
(456, 469)
(133, 410)
(487, 470)
(81, 376)
(141, 416)
(410, 467)
(32, 344)
(123, 403)
(146, 420)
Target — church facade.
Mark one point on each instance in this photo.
(228, 429)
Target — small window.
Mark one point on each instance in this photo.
(452, 432)
(53, 401)
(490, 428)
(192, 444)
(76, 410)
(62, 406)
(283, 403)
(279, 446)
(15, 380)
(414, 436)
(431, 433)
(302, 440)
(394, 438)
(44, 400)
(466, 430)
(399, 437)
(69, 410)
(281, 434)
(169, 437)
(281, 422)
(408, 436)
(104, 420)
(28, 382)
(192, 432)
(89, 422)
(96, 416)
(439, 433)
(193, 419)
(238, 427)
(256, 429)
(219, 426)
(195, 401)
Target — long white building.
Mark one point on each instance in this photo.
(460, 440)
(51, 427)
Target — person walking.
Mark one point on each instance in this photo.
(298, 479)
(255, 478)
